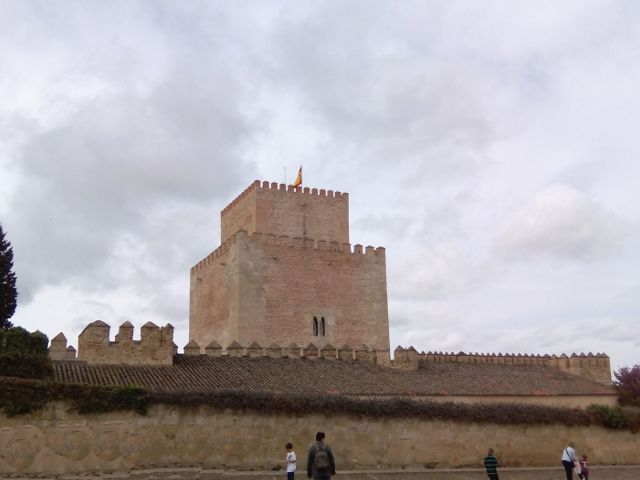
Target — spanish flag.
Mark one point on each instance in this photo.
(298, 180)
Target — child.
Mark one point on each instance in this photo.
(491, 464)
(584, 468)
(291, 462)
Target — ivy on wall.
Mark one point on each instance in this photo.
(24, 354)
(17, 340)
(505, 414)
(18, 396)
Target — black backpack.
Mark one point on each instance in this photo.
(321, 462)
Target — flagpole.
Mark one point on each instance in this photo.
(285, 175)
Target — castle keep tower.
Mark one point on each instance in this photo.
(286, 273)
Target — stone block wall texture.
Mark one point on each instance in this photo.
(285, 258)
(594, 367)
(284, 210)
(155, 346)
(569, 401)
(57, 441)
(58, 349)
(268, 289)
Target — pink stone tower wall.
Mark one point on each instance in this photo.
(285, 259)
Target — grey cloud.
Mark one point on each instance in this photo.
(112, 168)
(437, 271)
(393, 225)
(436, 118)
(368, 86)
(560, 221)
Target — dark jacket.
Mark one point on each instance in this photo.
(491, 464)
(311, 471)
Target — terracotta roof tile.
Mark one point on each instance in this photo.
(205, 374)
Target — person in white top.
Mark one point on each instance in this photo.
(569, 459)
(291, 462)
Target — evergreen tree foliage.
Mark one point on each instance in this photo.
(8, 292)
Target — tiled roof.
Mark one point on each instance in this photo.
(207, 374)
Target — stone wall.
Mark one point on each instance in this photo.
(286, 273)
(240, 214)
(594, 367)
(155, 346)
(275, 209)
(361, 353)
(569, 401)
(268, 288)
(57, 441)
(213, 296)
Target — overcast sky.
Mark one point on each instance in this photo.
(492, 147)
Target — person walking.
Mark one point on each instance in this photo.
(584, 468)
(569, 459)
(491, 464)
(320, 462)
(290, 461)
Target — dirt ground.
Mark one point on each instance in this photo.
(631, 472)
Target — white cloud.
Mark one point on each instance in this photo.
(562, 222)
(470, 136)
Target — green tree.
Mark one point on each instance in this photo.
(8, 292)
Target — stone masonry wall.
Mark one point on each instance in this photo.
(155, 346)
(275, 209)
(283, 283)
(594, 367)
(57, 441)
(240, 214)
(213, 299)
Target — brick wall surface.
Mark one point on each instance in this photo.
(285, 259)
(283, 283)
(239, 215)
(274, 209)
(347, 289)
(214, 298)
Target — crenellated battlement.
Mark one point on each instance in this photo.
(321, 245)
(593, 366)
(276, 240)
(281, 187)
(155, 346)
(59, 350)
(270, 207)
(361, 353)
(293, 242)
(221, 250)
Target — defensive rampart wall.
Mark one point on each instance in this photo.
(595, 367)
(155, 346)
(57, 441)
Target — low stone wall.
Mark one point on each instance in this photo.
(56, 441)
(569, 401)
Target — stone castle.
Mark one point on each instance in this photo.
(286, 273)
(287, 309)
(286, 283)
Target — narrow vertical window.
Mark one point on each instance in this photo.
(315, 327)
(322, 330)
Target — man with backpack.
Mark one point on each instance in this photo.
(320, 462)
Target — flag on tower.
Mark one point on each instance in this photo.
(298, 180)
